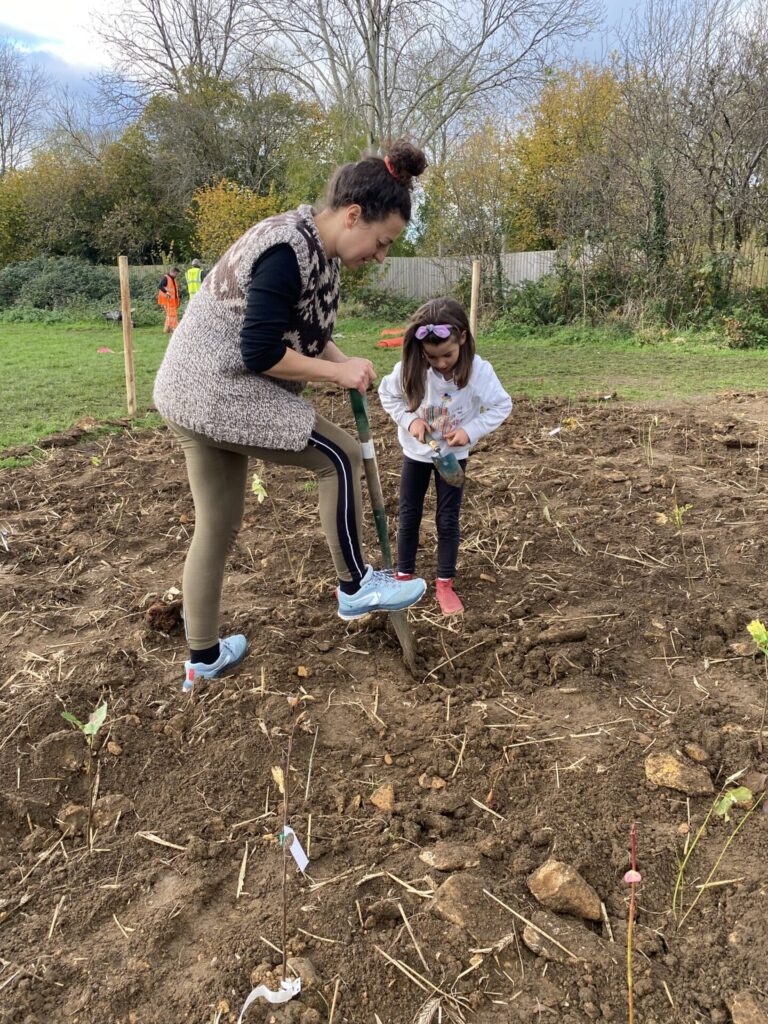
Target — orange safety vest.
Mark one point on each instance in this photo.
(172, 298)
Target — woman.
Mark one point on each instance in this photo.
(229, 386)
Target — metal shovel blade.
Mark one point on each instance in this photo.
(446, 465)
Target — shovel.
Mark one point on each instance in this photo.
(399, 619)
(446, 465)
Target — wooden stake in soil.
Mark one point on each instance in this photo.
(475, 297)
(125, 309)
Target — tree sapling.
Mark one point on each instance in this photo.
(89, 730)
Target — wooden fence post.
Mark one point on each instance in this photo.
(125, 309)
(475, 297)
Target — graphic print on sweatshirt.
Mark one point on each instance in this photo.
(444, 418)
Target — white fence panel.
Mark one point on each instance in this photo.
(424, 277)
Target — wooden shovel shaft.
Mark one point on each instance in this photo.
(399, 619)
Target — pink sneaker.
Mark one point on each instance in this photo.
(403, 576)
(447, 598)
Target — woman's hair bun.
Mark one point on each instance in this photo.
(406, 161)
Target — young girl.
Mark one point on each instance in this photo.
(443, 387)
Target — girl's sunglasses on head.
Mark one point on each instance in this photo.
(439, 330)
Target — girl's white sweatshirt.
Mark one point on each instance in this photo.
(478, 408)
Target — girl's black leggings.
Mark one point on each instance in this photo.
(414, 481)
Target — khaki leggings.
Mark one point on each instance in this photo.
(217, 476)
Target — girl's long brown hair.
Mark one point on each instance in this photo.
(414, 369)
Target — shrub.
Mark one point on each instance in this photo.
(50, 283)
(745, 328)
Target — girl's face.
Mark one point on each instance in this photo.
(442, 356)
(361, 241)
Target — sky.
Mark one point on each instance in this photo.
(59, 34)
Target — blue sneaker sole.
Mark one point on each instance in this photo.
(350, 616)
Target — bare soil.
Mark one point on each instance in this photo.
(596, 633)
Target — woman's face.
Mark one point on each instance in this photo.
(360, 241)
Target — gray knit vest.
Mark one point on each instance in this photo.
(202, 383)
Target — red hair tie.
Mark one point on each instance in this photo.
(390, 168)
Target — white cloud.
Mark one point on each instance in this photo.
(63, 28)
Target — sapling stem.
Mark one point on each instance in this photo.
(89, 730)
(294, 702)
(632, 877)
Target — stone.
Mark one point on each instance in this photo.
(107, 808)
(492, 847)
(197, 849)
(72, 819)
(444, 801)
(300, 967)
(560, 887)
(746, 1010)
(460, 901)
(427, 781)
(579, 940)
(65, 749)
(384, 798)
(696, 753)
(674, 773)
(450, 857)
(754, 780)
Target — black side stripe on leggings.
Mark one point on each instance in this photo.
(346, 523)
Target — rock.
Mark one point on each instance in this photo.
(450, 857)
(197, 849)
(384, 798)
(560, 887)
(383, 910)
(460, 901)
(302, 968)
(262, 974)
(114, 748)
(431, 781)
(72, 819)
(562, 635)
(696, 753)
(444, 801)
(583, 943)
(36, 839)
(107, 808)
(674, 773)
(746, 1010)
(492, 847)
(64, 749)
(754, 780)
(164, 618)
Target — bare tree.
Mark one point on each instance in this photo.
(696, 92)
(162, 46)
(24, 91)
(415, 65)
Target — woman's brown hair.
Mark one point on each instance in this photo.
(413, 374)
(379, 185)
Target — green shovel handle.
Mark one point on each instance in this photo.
(359, 405)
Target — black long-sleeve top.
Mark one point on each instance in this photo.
(272, 297)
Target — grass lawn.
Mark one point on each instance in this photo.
(53, 375)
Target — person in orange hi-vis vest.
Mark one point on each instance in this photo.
(168, 298)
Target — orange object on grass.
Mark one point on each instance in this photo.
(391, 342)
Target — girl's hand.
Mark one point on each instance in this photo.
(355, 373)
(418, 428)
(457, 438)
